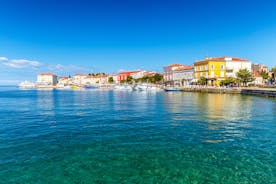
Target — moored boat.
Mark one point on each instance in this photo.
(27, 85)
(90, 87)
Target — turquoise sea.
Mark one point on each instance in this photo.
(104, 136)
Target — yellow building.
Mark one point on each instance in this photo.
(214, 69)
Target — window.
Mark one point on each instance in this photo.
(206, 67)
(200, 68)
(222, 67)
(212, 67)
(221, 74)
(212, 74)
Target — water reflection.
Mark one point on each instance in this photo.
(46, 102)
(227, 116)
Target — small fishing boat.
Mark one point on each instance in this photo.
(75, 87)
(90, 87)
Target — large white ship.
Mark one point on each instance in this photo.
(27, 85)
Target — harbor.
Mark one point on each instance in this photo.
(98, 136)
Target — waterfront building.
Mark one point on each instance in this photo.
(183, 75)
(137, 74)
(65, 80)
(256, 73)
(168, 71)
(123, 75)
(79, 79)
(103, 79)
(218, 68)
(97, 79)
(234, 65)
(149, 74)
(47, 79)
(90, 80)
(115, 78)
(257, 68)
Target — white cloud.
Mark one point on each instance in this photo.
(3, 59)
(59, 69)
(20, 63)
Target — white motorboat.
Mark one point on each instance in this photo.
(123, 87)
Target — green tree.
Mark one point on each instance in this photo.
(273, 70)
(264, 75)
(110, 80)
(129, 79)
(244, 76)
(203, 81)
(158, 77)
(228, 81)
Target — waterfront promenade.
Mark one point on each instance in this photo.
(266, 92)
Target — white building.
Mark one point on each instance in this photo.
(183, 75)
(79, 79)
(115, 78)
(66, 80)
(137, 74)
(92, 80)
(168, 71)
(233, 65)
(46, 79)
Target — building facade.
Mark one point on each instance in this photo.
(79, 79)
(219, 68)
(65, 80)
(234, 65)
(122, 76)
(168, 71)
(47, 79)
(256, 73)
(183, 75)
(213, 69)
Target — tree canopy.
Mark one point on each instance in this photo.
(110, 80)
(203, 81)
(244, 76)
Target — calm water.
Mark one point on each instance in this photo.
(134, 137)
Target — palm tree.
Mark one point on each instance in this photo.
(264, 75)
(244, 76)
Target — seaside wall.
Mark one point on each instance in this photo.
(259, 92)
(243, 91)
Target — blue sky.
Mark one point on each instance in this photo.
(72, 36)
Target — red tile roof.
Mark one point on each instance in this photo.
(79, 74)
(51, 74)
(224, 58)
(184, 68)
(172, 65)
(129, 72)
